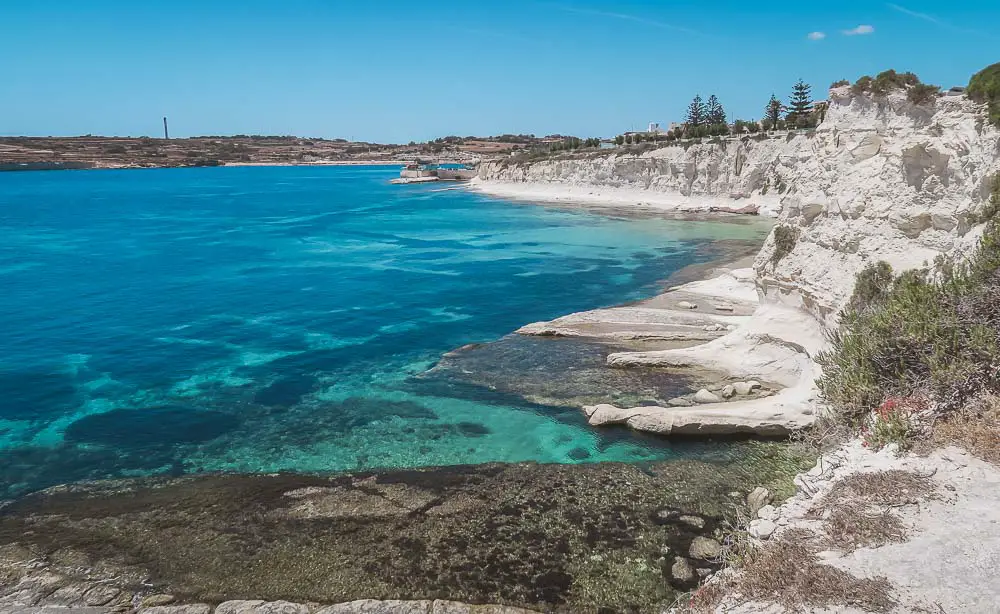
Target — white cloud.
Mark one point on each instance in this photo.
(860, 30)
(816, 36)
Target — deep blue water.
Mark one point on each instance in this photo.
(263, 319)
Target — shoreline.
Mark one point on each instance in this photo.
(714, 321)
(288, 536)
(616, 198)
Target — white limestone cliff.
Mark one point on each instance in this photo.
(879, 179)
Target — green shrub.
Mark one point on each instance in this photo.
(922, 93)
(890, 80)
(871, 286)
(840, 83)
(985, 87)
(916, 335)
(862, 85)
(891, 423)
(785, 238)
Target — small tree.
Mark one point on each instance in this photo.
(696, 113)
(715, 114)
(772, 112)
(620, 140)
(800, 104)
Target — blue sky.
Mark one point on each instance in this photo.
(396, 71)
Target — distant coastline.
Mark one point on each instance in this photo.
(94, 152)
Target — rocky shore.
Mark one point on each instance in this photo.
(549, 538)
(878, 180)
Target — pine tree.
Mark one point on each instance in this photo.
(800, 104)
(772, 112)
(715, 113)
(696, 113)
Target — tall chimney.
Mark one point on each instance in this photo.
(166, 135)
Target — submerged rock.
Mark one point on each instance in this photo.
(705, 548)
(758, 498)
(696, 522)
(681, 571)
(195, 608)
(157, 600)
(552, 538)
(261, 607)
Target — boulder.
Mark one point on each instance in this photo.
(722, 307)
(758, 498)
(745, 388)
(686, 305)
(762, 529)
(728, 392)
(768, 512)
(704, 548)
(680, 402)
(704, 396)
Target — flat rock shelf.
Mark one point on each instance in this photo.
(555, 538)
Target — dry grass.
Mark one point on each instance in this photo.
(787, 572)
(858, 508)
(893, 487)
(976, 428)
(850, 527)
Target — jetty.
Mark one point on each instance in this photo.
(423, 172)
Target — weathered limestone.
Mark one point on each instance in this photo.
(261, 607)
(879, 179)
(195, 608)
(758, 417)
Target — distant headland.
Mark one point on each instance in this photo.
(90, 152)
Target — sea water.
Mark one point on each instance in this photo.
(178, 321)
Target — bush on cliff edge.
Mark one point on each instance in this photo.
(919, 335)
(985, 87)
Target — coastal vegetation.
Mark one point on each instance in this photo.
(890, 80)
(784, 242)
(772, 113)
(800, 106)
(985, 87)
(923, 339)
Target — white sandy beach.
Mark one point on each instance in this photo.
(673, 202)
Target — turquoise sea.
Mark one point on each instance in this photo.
(180, 321)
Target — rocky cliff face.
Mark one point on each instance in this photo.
(877, 180)
(880, 180)
(756, 167)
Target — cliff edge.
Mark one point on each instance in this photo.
(880, 179)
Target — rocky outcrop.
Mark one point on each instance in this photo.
(879, 179)
(695, 176)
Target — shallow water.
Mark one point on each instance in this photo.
(261, 319)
